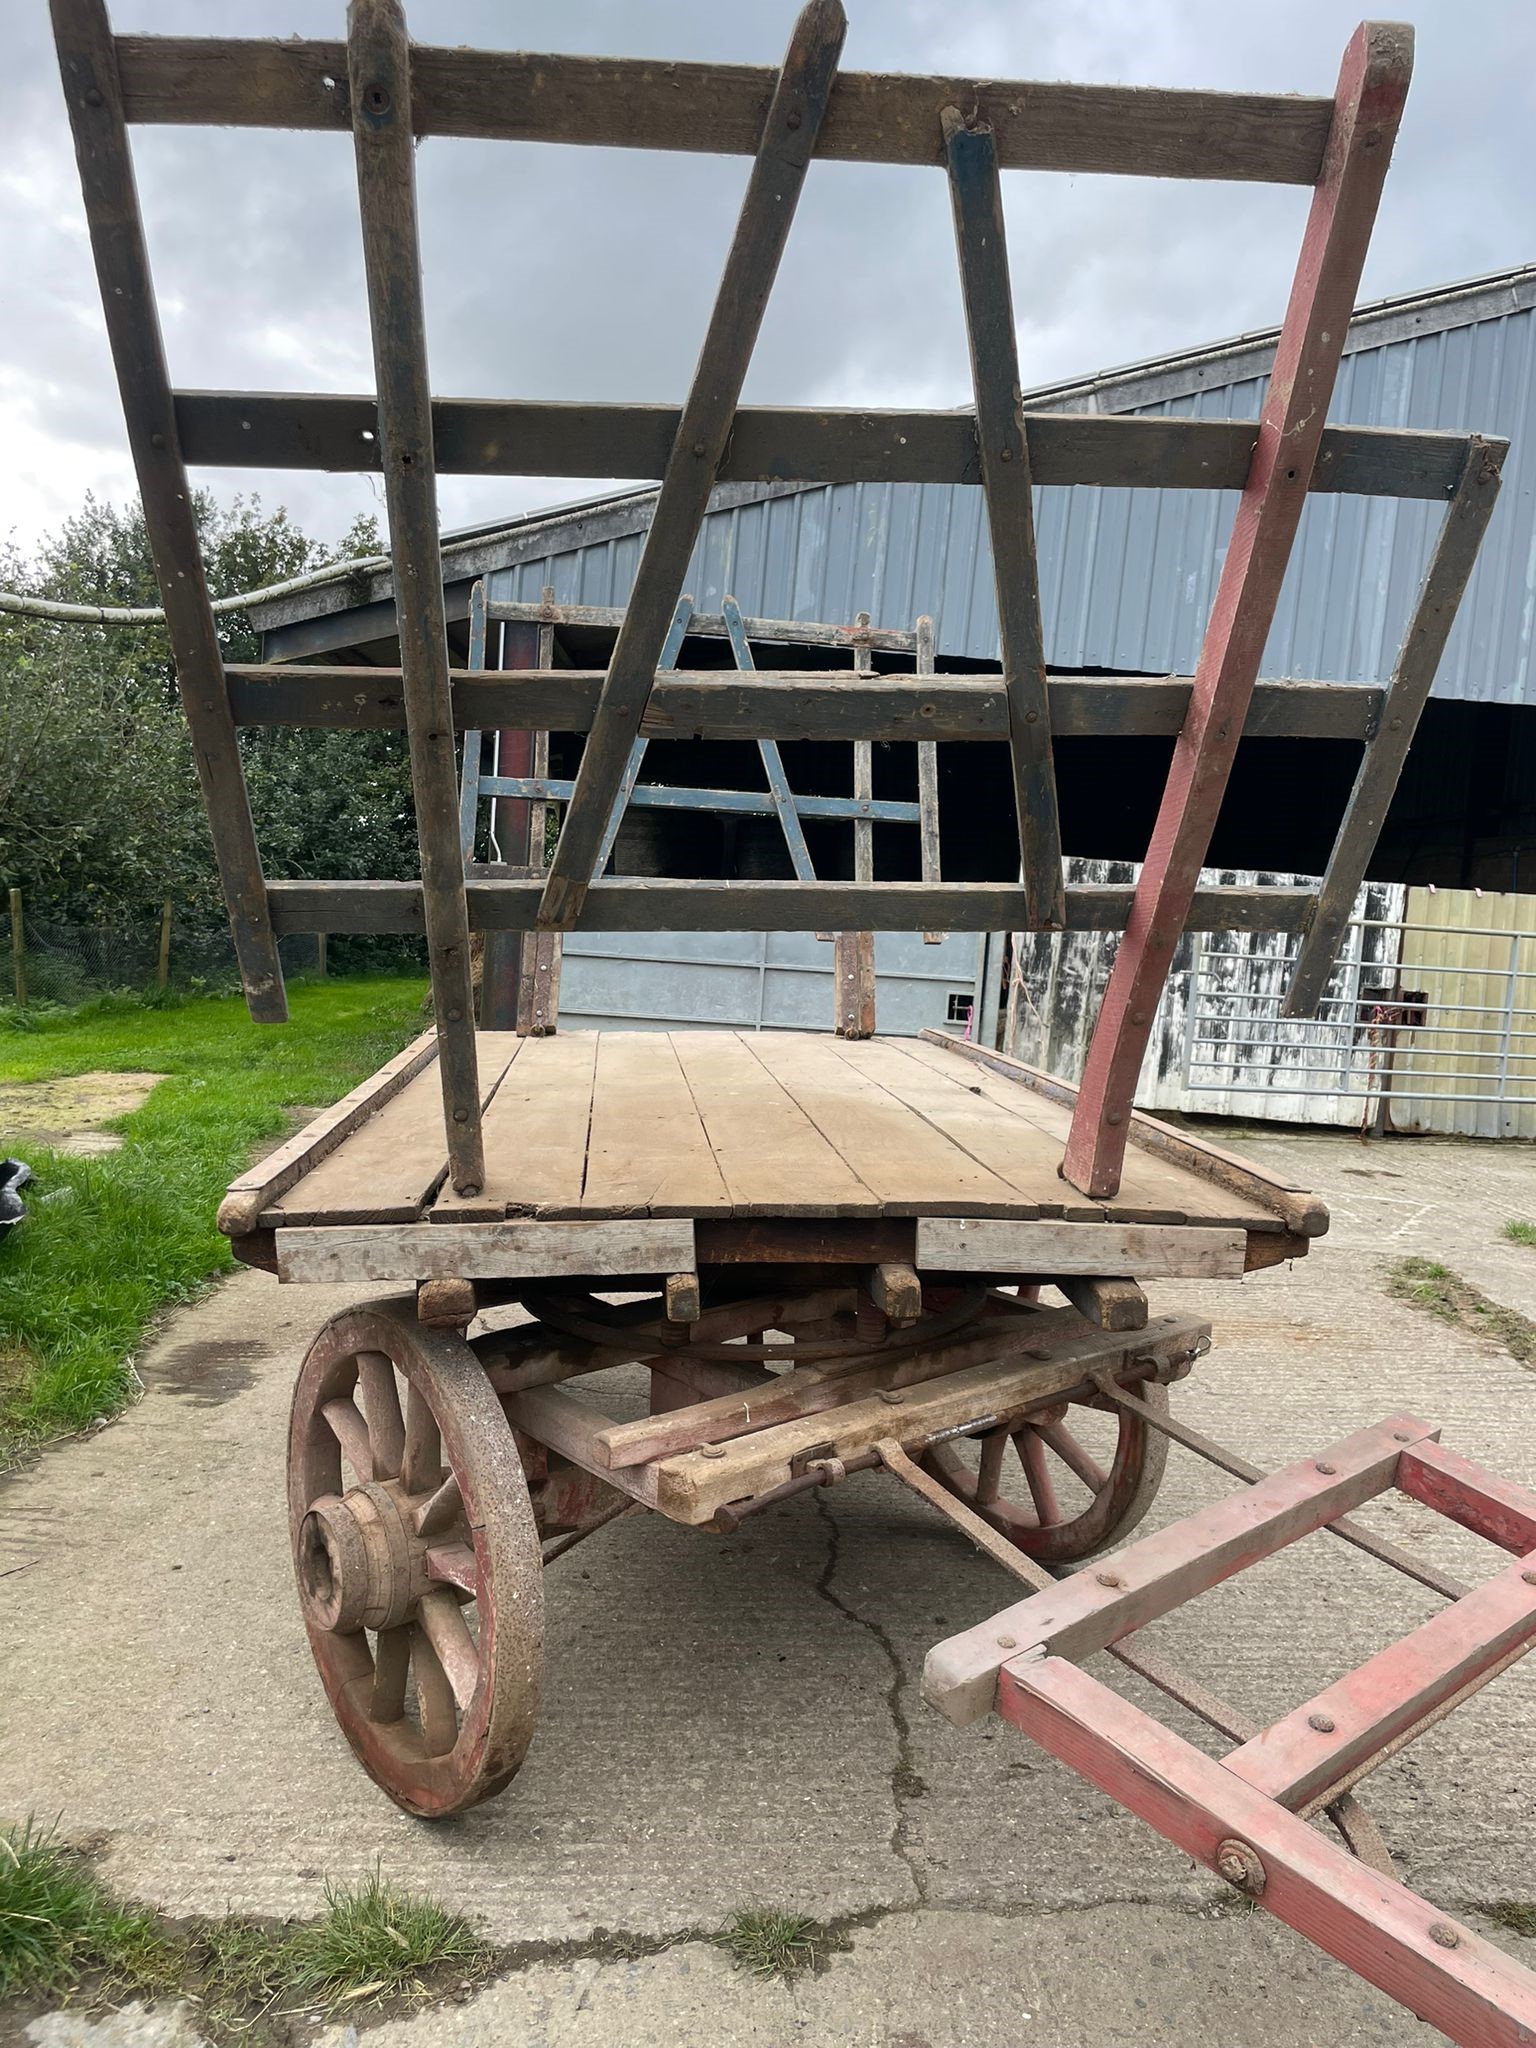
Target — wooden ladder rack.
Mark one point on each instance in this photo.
(386, 92)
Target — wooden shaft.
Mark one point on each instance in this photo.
(163, 958)
(976, 195)
(784, 152)
(92, 93)
(378, 58)
(1445, 582)
(1373, 83)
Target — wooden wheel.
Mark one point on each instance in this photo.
(1077, 1499)
(418, 1561)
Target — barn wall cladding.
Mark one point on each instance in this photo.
(1127, 577)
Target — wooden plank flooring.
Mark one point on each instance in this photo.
(740, 1124)
(393, 1164)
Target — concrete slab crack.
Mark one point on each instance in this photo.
(906, 1782)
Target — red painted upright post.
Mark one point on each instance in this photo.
(1373, 83)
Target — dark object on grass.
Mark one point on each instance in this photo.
(14, 1175)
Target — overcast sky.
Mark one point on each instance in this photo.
(563, 273)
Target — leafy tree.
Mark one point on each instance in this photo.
(100, 815)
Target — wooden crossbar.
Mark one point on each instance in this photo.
(633, 905)
(93, 95)
(1373, 83)
(981, 242)
(379, 59)
(812, 704)
(779, 444)
(783, 155)
(633, 103)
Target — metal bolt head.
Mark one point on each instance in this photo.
(93, 97)
(698, 448)
(1323, 1723)
(1401, 1436)
(1007, 1642)
(1109, 1578)
(711, 1450)
(1443, 1935)
(1329, 1470)
(1241, 1865)
(891, 1397)
(461, 1116)
(1529, 1578)
(1113, 1117)
(793, 118)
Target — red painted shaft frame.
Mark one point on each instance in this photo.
(1368, 104)
(1372, 1924)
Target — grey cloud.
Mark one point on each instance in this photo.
(570, 273)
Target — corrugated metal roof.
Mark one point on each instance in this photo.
(1127, 577)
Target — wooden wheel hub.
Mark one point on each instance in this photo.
(361, 1563)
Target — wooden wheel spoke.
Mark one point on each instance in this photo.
(454, 1564)
(1073, 1456)
(421, 1467)
(381, 1405)
(391, 1663)
(989, 1470)
(438, 1514)
(447, 1632)
(1037, 1477)
(351, 1432)
(434, 1696)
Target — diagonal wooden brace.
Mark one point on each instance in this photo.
(784, 153)
(1445, 581)
(976, 194)
(1373, 84)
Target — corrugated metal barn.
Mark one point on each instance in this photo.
(1126, 583)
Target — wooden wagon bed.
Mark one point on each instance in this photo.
(918, 1149)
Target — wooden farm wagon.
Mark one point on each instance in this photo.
(831, 1250)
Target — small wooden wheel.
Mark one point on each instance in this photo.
(1076, 1505)
(418, 1561)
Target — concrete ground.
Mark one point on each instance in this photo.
(733, 1722)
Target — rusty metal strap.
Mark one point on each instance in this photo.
(1348, 1530)
(1358, 1830)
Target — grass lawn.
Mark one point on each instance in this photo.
(110, 1241)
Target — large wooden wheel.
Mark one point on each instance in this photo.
(418, 1560)
(1078, 1498)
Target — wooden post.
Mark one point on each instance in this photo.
(93, 95)
(379, 67)
(854, 954)
(927, 779)
(1373, 84)
(787, 142)
(18, 949)
(163, 961)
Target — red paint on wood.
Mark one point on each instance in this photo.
(1367, 1921)
(1300, 1756)
(1373, 83)
(1460, 1490)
